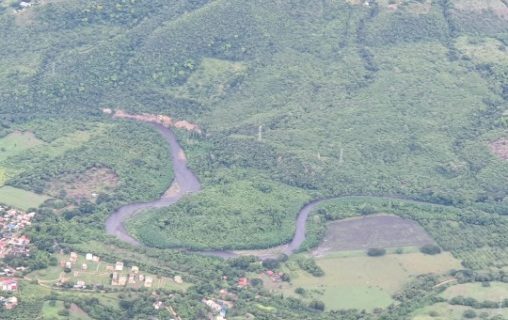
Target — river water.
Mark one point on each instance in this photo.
(185, 182)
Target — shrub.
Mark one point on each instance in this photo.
(433, 314)
(311, 267)
(376, 252)
(271, 264)
(469, 314)
(256, 282)
(317, 305)
(430, 249)
(300, 291)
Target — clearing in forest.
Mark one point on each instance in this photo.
(17, 142)
(85, 185)
(373, 231)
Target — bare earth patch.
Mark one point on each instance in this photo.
(500, 148)
(86, 185)
(77, 312)
(375, 231)
(166, 121)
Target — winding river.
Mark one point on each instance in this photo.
(185, 182)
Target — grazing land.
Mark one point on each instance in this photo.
(444, 311)
(16, 143)
(496, 291)
(375, 231)
(55, 310)
(363, 282)
(20, 198)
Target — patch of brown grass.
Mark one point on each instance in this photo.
(85, 185)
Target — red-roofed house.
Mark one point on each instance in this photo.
(8, 284)
(243, 282)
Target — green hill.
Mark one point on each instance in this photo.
(376, 98)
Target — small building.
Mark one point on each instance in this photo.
(132, 279)
(122, 280)
(214, 306)
(88, 257)
(74, 257)
(243, 282)
(84, 266)
(134, 269)
(68, 264)
(8, 284)
(95, 259)
(119, 266)
(80, 284)
(148, 282)
(178, 279)
(10, 303)
(110, 268)
(141, 277)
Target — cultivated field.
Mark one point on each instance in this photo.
(20, 198)
(379, 231)
(362, 282)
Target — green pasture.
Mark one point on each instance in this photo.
(20, 198)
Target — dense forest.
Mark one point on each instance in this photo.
(393, 106)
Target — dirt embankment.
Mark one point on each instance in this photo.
(166, 121)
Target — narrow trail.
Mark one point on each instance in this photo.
(185, 183)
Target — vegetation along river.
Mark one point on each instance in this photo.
(185, 182)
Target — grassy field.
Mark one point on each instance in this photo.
(483, 50)
(20, 198)
(444, 311)
(363, 282)
(497, 291)
(16, 143)
(50, 312)
(374, 231)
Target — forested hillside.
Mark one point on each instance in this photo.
(296, 100)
